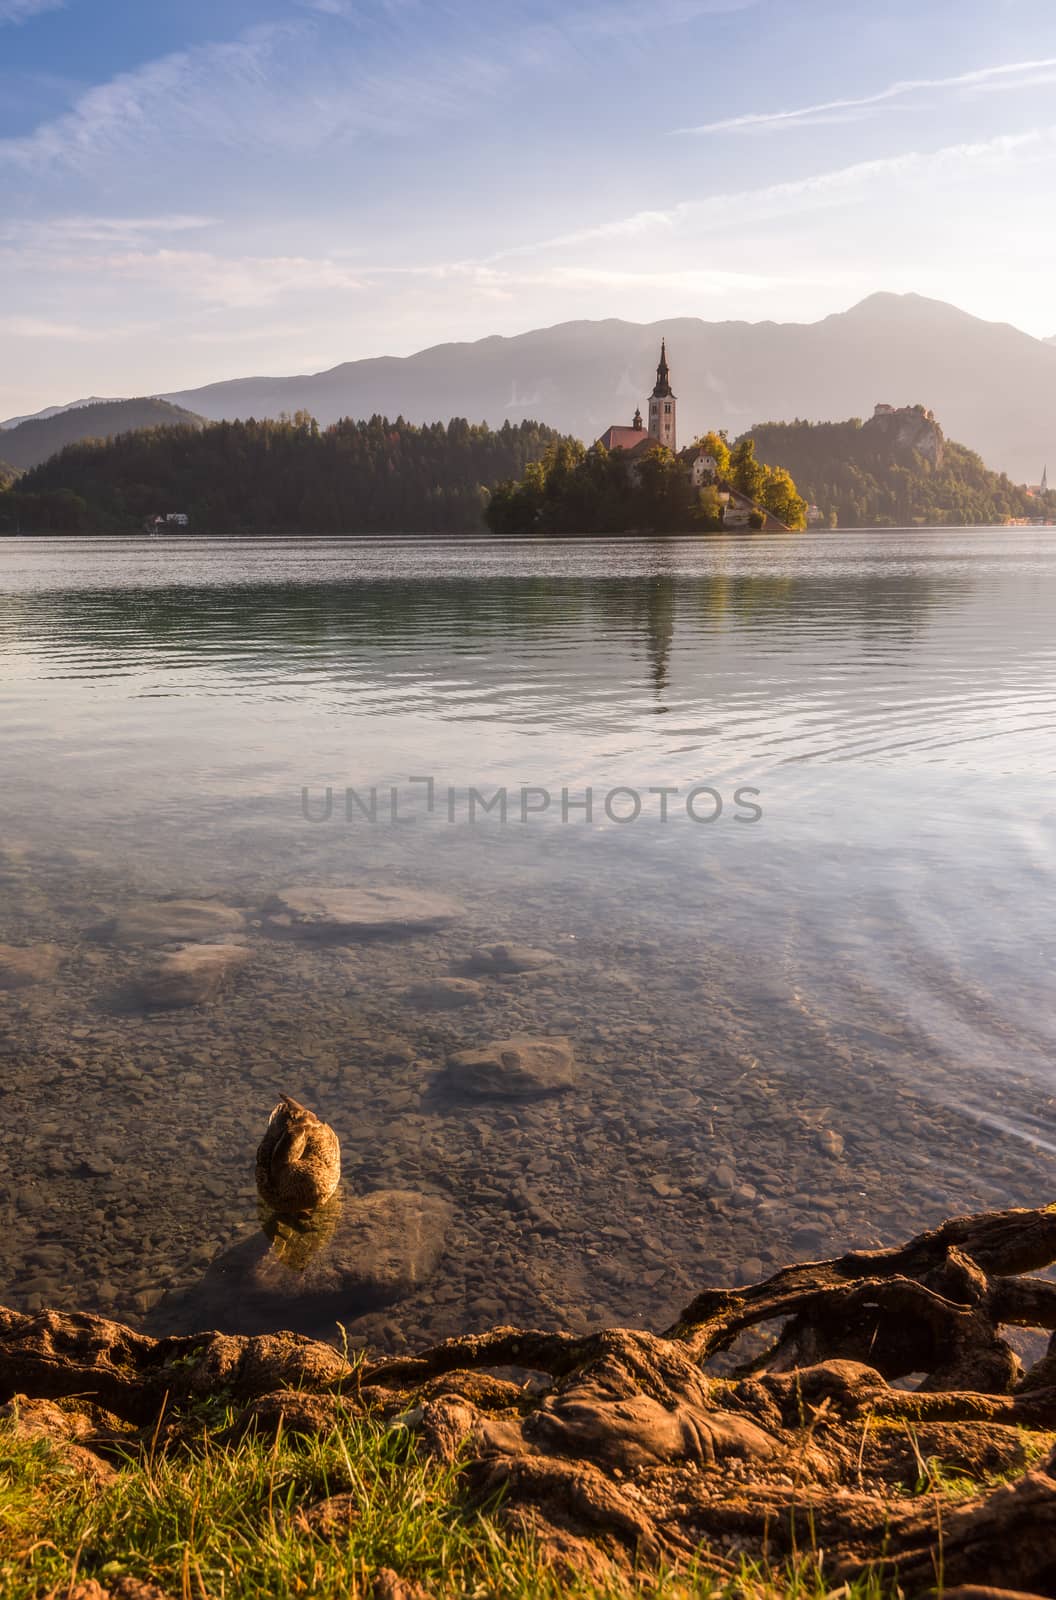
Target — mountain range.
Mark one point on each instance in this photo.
(993, 385)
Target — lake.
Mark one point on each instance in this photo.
(802, 947)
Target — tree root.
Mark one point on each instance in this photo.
(635, 1453)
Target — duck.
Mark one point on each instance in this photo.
(298, 1161)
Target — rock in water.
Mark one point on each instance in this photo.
(520, 1068)
(299, 1160)
(354, 1256)
(21, 966)
(505, 960)
(192, 974)
(445, 994)
(364, 913)
(173, 922)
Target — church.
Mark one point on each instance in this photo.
(637, 440)
(702, 468)
(662, 429)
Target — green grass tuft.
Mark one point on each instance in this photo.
(224, 1522)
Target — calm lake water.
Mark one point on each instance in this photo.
(817, 1017)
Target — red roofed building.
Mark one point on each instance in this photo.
(625, 438)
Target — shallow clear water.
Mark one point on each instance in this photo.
(825, 1026)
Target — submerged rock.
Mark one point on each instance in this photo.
(359, 913)
(21, 966)
(192, 974)
(173, 922)
(354, 1256)
(445, 994)
(503, 960)
(520, 1068)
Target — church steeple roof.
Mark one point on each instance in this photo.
(663, 375)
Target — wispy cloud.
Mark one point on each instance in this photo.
(822, 188)
(22, 10)
(236, 282)
(36, 328)
(1008, 75)
(65, 231)
(275, 88)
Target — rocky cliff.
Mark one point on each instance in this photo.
(906, 431)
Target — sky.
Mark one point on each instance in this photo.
(193, 190)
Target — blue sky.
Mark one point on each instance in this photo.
(193, 191)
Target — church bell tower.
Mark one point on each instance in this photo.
(662, 403)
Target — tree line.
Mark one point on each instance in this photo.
(574, 490)
(282, 476)
(377, 476)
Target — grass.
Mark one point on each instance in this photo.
(223, 1522)
(936, 1477)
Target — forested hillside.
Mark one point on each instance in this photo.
(34, 440)
(275, 477)
(279, 477)
(862, 476)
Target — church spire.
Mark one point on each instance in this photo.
(663, 375)
(662, 404)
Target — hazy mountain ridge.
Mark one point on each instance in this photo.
(34, 441)
(55, 411)
(993, 385)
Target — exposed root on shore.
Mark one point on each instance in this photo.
(620, 1451)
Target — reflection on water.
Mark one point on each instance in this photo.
(827, 1027)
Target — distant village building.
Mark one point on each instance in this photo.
(166, 524)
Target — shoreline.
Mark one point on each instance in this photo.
(629, 536)
(610, 1459)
